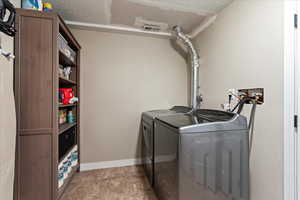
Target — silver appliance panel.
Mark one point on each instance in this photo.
(148, 136)
(211, 164)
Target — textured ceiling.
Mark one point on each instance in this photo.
(91, 11)
(202, 7)
(187, 13)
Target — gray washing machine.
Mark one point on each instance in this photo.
(148, 136)
(204, 155)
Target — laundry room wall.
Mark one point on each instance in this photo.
(244, 49)
(7, 119)
(122, 76)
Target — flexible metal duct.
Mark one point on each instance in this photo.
(194, 60)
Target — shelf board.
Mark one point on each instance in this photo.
(65, 127)
(64, 60)
(66, 105)
(66, 81)
(67, 181)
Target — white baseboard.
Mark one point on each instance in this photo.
(109, 164)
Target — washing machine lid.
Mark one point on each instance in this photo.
(174, 110)
(204, 120)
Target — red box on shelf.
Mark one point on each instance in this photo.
(67, 94)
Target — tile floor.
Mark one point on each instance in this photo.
(122, 183)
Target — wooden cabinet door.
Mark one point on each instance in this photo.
(35, 91)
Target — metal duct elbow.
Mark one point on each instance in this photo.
(195, 64)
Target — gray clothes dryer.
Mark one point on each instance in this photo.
(204, 155)
(148, 136)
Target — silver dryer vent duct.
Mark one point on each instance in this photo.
(195, 64)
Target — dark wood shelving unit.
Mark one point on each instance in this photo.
(65, 127)
(37, 84)
(67, 82)
(67, 105)
(64, 60)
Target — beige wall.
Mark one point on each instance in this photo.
(122, 76)
(7, 120)
(244, 49)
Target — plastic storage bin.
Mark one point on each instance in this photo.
(66, 166)
(65, 49)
